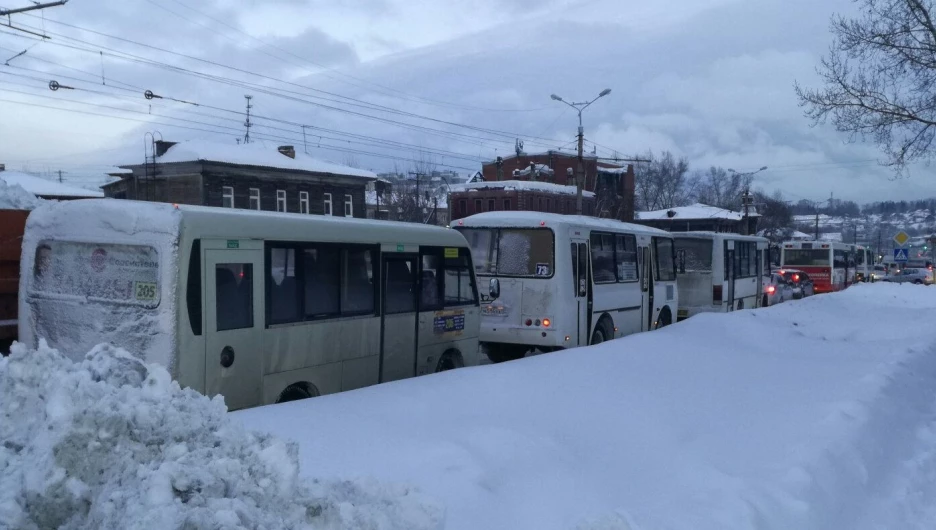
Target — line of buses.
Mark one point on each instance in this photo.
(265, 307)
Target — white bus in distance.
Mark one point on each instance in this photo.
(719, 272)
(561, 281)
(259, 307)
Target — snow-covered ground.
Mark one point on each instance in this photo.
(818, 414)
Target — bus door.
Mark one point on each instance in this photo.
(234, 321)
(646, 285)
(583, 300)
(730, 274)
(398, 317)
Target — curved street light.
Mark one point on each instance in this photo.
(579, 107)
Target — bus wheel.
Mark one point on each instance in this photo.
(602, 332)
(450, 361)
(665, 318)
(499, 353)
(297, 391)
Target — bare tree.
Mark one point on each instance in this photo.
(662, 183)
(718, 187)
(879, 77)
(414, 196)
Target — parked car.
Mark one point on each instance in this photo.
(879, 273)
(912, 275)
(801, 283)
(776, 290)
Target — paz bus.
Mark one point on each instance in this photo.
(561, 281)
(826, 262)
(719, 272)
(260, 307)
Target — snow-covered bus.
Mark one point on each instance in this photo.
(719, 272)
(826, 262)
(561, 281)
(260, 307)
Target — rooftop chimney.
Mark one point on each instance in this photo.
(162, 146)
(288, 150)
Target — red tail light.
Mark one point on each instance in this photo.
(716, 294)
(771, 289)
(796, 277)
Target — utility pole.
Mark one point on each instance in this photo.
(247, 123)
(60, 175)
(746, 199)
(305, 146)
(580, 173)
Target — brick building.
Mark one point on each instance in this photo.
(251, 176)
(510, 195)
(613, 184)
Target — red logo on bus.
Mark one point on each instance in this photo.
(98, 259)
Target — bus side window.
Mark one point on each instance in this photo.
(575, 266)
(429, 282)
(234, 295)
(458, 286)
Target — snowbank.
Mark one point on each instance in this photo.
(110, 442)
(15, 197)
(813, 415)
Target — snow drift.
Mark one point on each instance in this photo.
(814, 415)
(111, 442)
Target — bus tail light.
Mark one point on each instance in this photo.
(716, 294)
(771, 289)
(568, 338)
(546, 322)
(529, 322)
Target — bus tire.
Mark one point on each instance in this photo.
(602, 332)
(450, 360)
(666, 318)
(766, 302)
(499, 353)
(297, 391)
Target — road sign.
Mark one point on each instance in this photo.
(901, 255)
(901, 238)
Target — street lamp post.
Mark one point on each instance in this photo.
(580, 174)
(746, 199)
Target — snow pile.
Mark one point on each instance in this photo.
(113, 443)
(15, 197)
(817, 414)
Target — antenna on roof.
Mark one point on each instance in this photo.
(247, 123)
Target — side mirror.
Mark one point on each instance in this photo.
(494, 289)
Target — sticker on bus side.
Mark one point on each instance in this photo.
(449, 322)
(542, 269)
(233, 243)
(451, 252)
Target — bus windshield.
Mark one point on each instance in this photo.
(806, 257)
(511, 251)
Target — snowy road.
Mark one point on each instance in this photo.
(819, 414)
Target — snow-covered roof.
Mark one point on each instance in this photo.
(526, 218)
(695, 211)
(540, 169)
(259, 154)
(831, 236)
(477, 176)
(521, 185)
(45, 188)
(612, 170)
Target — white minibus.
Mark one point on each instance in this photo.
(560, 281)
(260, 307)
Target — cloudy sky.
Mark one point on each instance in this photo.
(380, 83)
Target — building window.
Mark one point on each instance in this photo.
(303, 202)
(462, 207)
(280, 200)
(548, 205)
(227, 197)
(491, 205)
(327, 204)
(540, 201)
(348, 206)
(254, 198)
(507, 204)
(478, 206)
